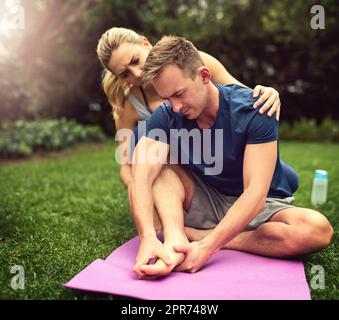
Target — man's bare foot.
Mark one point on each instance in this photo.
(196, 234)
(159, 268)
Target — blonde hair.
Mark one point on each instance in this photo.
(115, 89)
(172, 50)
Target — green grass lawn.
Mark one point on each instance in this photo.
(61, 211)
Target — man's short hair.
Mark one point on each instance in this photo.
(171, 50)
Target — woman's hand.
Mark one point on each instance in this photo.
(271, 96)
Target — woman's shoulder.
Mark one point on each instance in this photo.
(135, 91)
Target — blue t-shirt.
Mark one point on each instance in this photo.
(217, 154)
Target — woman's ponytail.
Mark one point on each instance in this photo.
(115, 90)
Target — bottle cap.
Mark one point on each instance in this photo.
(321, 174)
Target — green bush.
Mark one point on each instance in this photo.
(22, 138)
(308, 130)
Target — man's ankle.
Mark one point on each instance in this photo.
(175, 239)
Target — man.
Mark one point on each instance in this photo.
(243, 202)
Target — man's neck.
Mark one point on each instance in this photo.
(207, 118)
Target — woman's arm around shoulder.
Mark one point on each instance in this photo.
(269, 99)
(218, 71)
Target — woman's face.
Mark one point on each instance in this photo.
(128, 60)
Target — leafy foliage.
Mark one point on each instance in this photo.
(22, 138)
(267, 42)
(308, 130)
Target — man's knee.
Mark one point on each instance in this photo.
(168, 177)
(168, 183)
(313, 231)
(323, 230)
(306, 230)
(174, 181)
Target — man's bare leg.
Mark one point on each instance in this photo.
(172, 190)
(289, 233)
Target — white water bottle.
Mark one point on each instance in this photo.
(319, 189)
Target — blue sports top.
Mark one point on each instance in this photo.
(219, 154)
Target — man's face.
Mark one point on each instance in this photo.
(186, 95)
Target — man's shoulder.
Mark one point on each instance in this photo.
(163, 117)
(246, 119)
(237, 95)
(237, 102)
(234, 87)
(165, 110)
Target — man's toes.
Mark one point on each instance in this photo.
(157, 269)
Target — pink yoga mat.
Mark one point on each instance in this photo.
(228, 275)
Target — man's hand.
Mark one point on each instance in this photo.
(150, 248)
(197, 253)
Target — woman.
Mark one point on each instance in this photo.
(123, 53)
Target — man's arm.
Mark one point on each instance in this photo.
(258, 169)
(148, 159)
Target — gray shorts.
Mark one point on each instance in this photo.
(209, 206)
